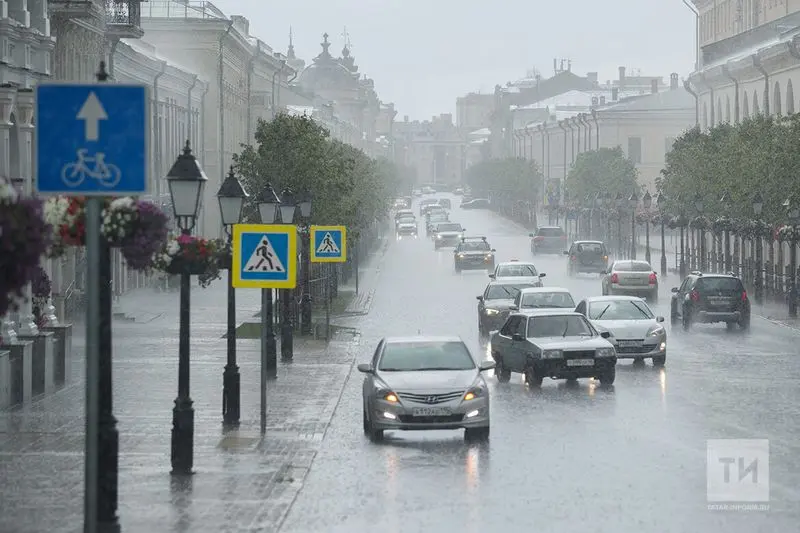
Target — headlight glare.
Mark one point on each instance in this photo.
(552, 354)
(491, 312)
(474, 392)
(606, 352)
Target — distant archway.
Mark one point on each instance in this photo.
(727, 109)
(756, 109)
(776, 100)
(789, 98)
(14, 150)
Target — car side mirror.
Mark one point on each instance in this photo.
(479, 297)
(675, 289)
(493, 250)
(492, 276)
(659, 319)
(517, 337)
(604, 272)
(486, 365)
(513, 307)
(566, 252)
(463, 230)
(605, 334)
(365, 368)
(531, 235)
(542, 275)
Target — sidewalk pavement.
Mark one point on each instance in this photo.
(243, 482)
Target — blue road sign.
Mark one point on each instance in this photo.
(92, 139)
(264, 256)
(328, 244)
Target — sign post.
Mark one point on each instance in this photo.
(265, 257)
(93, 140)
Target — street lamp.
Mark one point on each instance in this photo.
(588, 204)
(619, 202)
(305, 301)
(758, 206)
(647, 202)
(633, 201)
(661, 202)
(186, 182)
(288, 208)
(698, 204)
(268, 203)
(726, 204)
(793, 212)
(231, 197)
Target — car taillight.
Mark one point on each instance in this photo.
(614, 278)
(694, 296)
(573, 258)
(744, 296)
(653, 278)
(538, 238)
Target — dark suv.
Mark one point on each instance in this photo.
(587, 257)
(710, 298)
(548, 239)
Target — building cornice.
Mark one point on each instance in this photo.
(744, 68)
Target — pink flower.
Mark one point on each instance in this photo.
(185, 239)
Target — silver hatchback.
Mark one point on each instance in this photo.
(424, 383)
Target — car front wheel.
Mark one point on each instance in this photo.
(502, 374)
(659, 360)
(608, 377)
(532, 377)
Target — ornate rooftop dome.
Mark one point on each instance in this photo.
(326, 72)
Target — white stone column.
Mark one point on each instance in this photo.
(7, 97)
(27, 323)
(18, 10)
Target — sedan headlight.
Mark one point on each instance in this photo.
(461, 256)
(488, 256)
(656, 331)
(438, 236)
(552, 354)
(388, 396)
(606, 352)
(474, 392)
(491, 312)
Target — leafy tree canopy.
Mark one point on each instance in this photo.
(295, 152)
(517, 177)
(605, 170)
(734, 161)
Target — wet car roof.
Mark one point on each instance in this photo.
(423, 338)
(615, 298)
(511, 281)
(553, 311)
(531, 290)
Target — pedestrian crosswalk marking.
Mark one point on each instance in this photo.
(264, 258)
(328, 245)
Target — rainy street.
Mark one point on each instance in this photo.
(628, 458)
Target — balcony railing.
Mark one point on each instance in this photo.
(75, 8)
(124, 19)
(179, 9)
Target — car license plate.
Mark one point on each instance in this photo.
(580, 362)
(432, 411)
(629, 344)
(716, 302)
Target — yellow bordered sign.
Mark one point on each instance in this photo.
(328, 244)
(264, 256)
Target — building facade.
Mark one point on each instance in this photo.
(435, 149)
(748, 59)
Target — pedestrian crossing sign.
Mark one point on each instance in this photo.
(264, 256)
(328, 244)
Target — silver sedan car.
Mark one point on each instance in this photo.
(423, 383)
(631, 277)
(636, 332)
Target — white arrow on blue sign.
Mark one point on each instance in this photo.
(92, 139)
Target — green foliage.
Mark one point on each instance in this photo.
(348, 187)
(605, 170)
(737, 161)
(517, 177)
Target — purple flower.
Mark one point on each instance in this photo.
(148, 237)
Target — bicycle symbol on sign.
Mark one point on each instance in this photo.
(75, 173)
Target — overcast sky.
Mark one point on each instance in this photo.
(423, 54)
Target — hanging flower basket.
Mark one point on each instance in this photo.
(787, 233)
(701, 223)
(185, 254)
(24, 238)
(659, 218)
(677, 222)
(721, 225)
(139, 228)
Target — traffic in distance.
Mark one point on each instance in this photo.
(526, 326)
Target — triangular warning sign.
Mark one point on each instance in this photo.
(264, 259)
(328, 245)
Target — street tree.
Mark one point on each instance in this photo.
(605, 170)
(515, 177)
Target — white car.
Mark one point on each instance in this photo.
(631, 277)
(538, 298)
(518, 269)
(636, 332)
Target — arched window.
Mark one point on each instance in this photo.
(727, 108)
(705, 116)
(776, 100)
(756, 109)
(14, 149)
(789, 98)
(745, 107)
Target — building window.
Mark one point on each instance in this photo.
(635, 150)
(669, 142)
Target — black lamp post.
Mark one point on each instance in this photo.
(288, 207)
(793, 212)
(619, 202)
(566, 212)
(647, 202)
(726, 240)
(588, 204)
(698, 204)
(231, 197)
(758, 206)
(633, 201)
(598, 203)
(305, 302)
(186, 182)
(682, 225)
(268, 203)
(661, 201)
(608, 202)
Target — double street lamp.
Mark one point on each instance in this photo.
(726, 238)
(698, 205)
(661, 202)
(231, 198)
(305, 301)
(758, 206)
(268, 209)
(619, 202)
(793, 213)
(633, 201)
(186, 182)
(288, 209)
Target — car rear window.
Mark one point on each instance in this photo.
(633, 266)
(547, 300)
(719, 284)
(425, 355)
(589, 248)
(448, 227)
(517, 270)
(474, 246)
(505, 292)
(550, 232)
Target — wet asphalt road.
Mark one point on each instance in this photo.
(565, 458)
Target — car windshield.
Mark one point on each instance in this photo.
(425, 355)
(632, 266)
(619, 310)
(719, 284)
(558, 326)
(448, 227)
(544, 300)
(438, 217)
(505, 292)
(550, 232)
(517, 271)
(406, 220)
(589, 248)
(474, 246)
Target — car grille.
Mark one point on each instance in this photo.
(432, 398)
(408, 419)
(579, 354)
